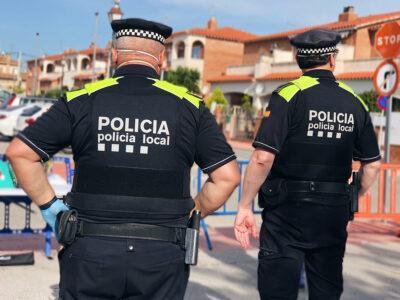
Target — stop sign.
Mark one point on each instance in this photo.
(387, 40)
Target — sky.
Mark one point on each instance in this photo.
(63, 24)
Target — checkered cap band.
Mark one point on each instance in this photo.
(316, 50)
(141, 33)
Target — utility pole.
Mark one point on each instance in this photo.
(96, 14)
(35, 71)
(19, 68)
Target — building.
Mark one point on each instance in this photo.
(10, 74)
(210, 50)
(69, 70)
(269, 60)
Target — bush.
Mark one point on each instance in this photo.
(370, 98)
(189, 78)
(218, 97)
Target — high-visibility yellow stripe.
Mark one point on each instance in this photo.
(98, 85)
(73, 94)
(351, 91)
(305, 82)
(288, 92)
(179, 91)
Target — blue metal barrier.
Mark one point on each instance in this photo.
(224, 211)
(25, 203)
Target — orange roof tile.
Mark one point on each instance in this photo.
(343, 25)
(231, 78)
(354, 75)
(223, 33)
(281, 76)
(289, 76)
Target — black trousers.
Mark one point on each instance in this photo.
(297, 233)
(107, 268)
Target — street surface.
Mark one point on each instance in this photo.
(371, 266)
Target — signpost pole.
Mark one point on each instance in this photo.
(387, 129)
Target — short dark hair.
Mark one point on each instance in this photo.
(312, 61)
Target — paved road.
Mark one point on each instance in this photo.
(371, 267)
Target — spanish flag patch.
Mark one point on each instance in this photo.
(267, 113)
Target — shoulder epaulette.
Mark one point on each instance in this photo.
(289, 90)
(179, 91)
(351, 91)
(92, 87)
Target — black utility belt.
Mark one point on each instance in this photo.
(277, 191)
(71, 227)
(316, 187)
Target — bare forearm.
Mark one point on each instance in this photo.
(32, 178)
(254, 177)
(213, 195)
(369, 173)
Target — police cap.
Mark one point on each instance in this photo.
(135, 27)
(316, 41)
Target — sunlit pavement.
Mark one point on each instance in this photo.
(371, 267)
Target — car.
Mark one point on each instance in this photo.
(8, 118)
(29, 116)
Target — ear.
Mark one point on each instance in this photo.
(332, 60)
(114, 56)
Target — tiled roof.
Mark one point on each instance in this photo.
(231, 78)
(7, 60)
(8, 76)
(85, 76)
(288, 76)
(67, 52)
(354, 75)
(223, 33)
(358, 22)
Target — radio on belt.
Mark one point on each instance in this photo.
(192, 239)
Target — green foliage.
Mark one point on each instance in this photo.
(189, 78)
(218, 97)
(246, 105)
(54, 93)
(370, 98)
(17, 89)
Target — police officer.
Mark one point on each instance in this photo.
(134, 140)
(313, 128)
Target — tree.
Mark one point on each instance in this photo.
(54, 93)
(247, 107)
(218, 97)
(370, 98)
(189, 78)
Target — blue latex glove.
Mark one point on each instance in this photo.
(50, 211)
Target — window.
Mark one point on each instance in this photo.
(30, 111)
(50, 68)
(197, 50)
(180, 50)
(85, 64)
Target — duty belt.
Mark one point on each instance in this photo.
(317, 187)
(132, 230)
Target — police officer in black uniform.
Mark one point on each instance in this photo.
(134, 140)
(312, 129)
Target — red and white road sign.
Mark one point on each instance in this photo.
(386, 78)
(387, 40)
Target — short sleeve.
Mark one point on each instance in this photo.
(274, 126)
(50, 133)
(366, 146)
(212, 149)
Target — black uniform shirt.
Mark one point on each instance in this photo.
(139, 128)
(316, 125)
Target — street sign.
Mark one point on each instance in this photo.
(386, 78)
(382, 102)
(387, 40)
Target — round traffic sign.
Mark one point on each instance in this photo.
(387, 40)
(386, 78)
(382, 102)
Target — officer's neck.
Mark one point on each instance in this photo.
(326, 67)
(134, 62)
